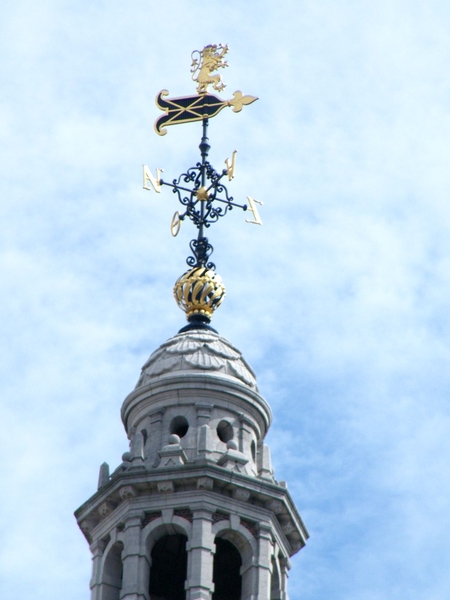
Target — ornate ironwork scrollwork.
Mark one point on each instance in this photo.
(201, 250)
(199, 191)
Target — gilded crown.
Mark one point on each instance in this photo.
(199, 291)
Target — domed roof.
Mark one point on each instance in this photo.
(198, 351)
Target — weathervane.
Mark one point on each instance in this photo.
(201, 189)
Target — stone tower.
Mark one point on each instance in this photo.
(193, 512)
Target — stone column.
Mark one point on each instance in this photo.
(276, 592)
(199, 584)
(264, 563)
(97, 549)
(137, 450)
(285, 565)
(133, 584)
(204, 445)
(203, 413)
(155, 441)
(245, 434)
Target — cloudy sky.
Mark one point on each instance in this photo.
(340, 302)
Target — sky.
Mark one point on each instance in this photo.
(340, 301)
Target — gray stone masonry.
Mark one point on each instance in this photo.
(198, 466)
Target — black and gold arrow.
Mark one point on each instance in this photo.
(188, 109)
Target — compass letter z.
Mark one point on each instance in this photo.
(252, 208)
(154, 181)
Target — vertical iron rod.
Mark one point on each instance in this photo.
(204, 150)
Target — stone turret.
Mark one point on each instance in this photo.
(193, 511)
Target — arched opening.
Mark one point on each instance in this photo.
(253, 450)
(144, 436)
(227, 571)
(112, 573)
(275, 590)
(169, 568)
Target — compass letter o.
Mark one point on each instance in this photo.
(176, 224)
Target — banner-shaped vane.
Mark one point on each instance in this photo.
(194, 108)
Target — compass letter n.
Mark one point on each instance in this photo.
(148, 178)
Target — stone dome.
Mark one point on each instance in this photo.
(197, 351)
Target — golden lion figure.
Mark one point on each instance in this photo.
(208, 60)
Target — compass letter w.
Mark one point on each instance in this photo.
(154, 181)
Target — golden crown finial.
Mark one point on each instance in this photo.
(199, 292)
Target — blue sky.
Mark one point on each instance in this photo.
(340, 302)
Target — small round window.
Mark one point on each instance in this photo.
(179, 426)
(225, 431)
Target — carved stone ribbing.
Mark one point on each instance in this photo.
(199, 351)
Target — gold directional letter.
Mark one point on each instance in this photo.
(148, 178)
(176, 224)
(231, 165)
(252, 208)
